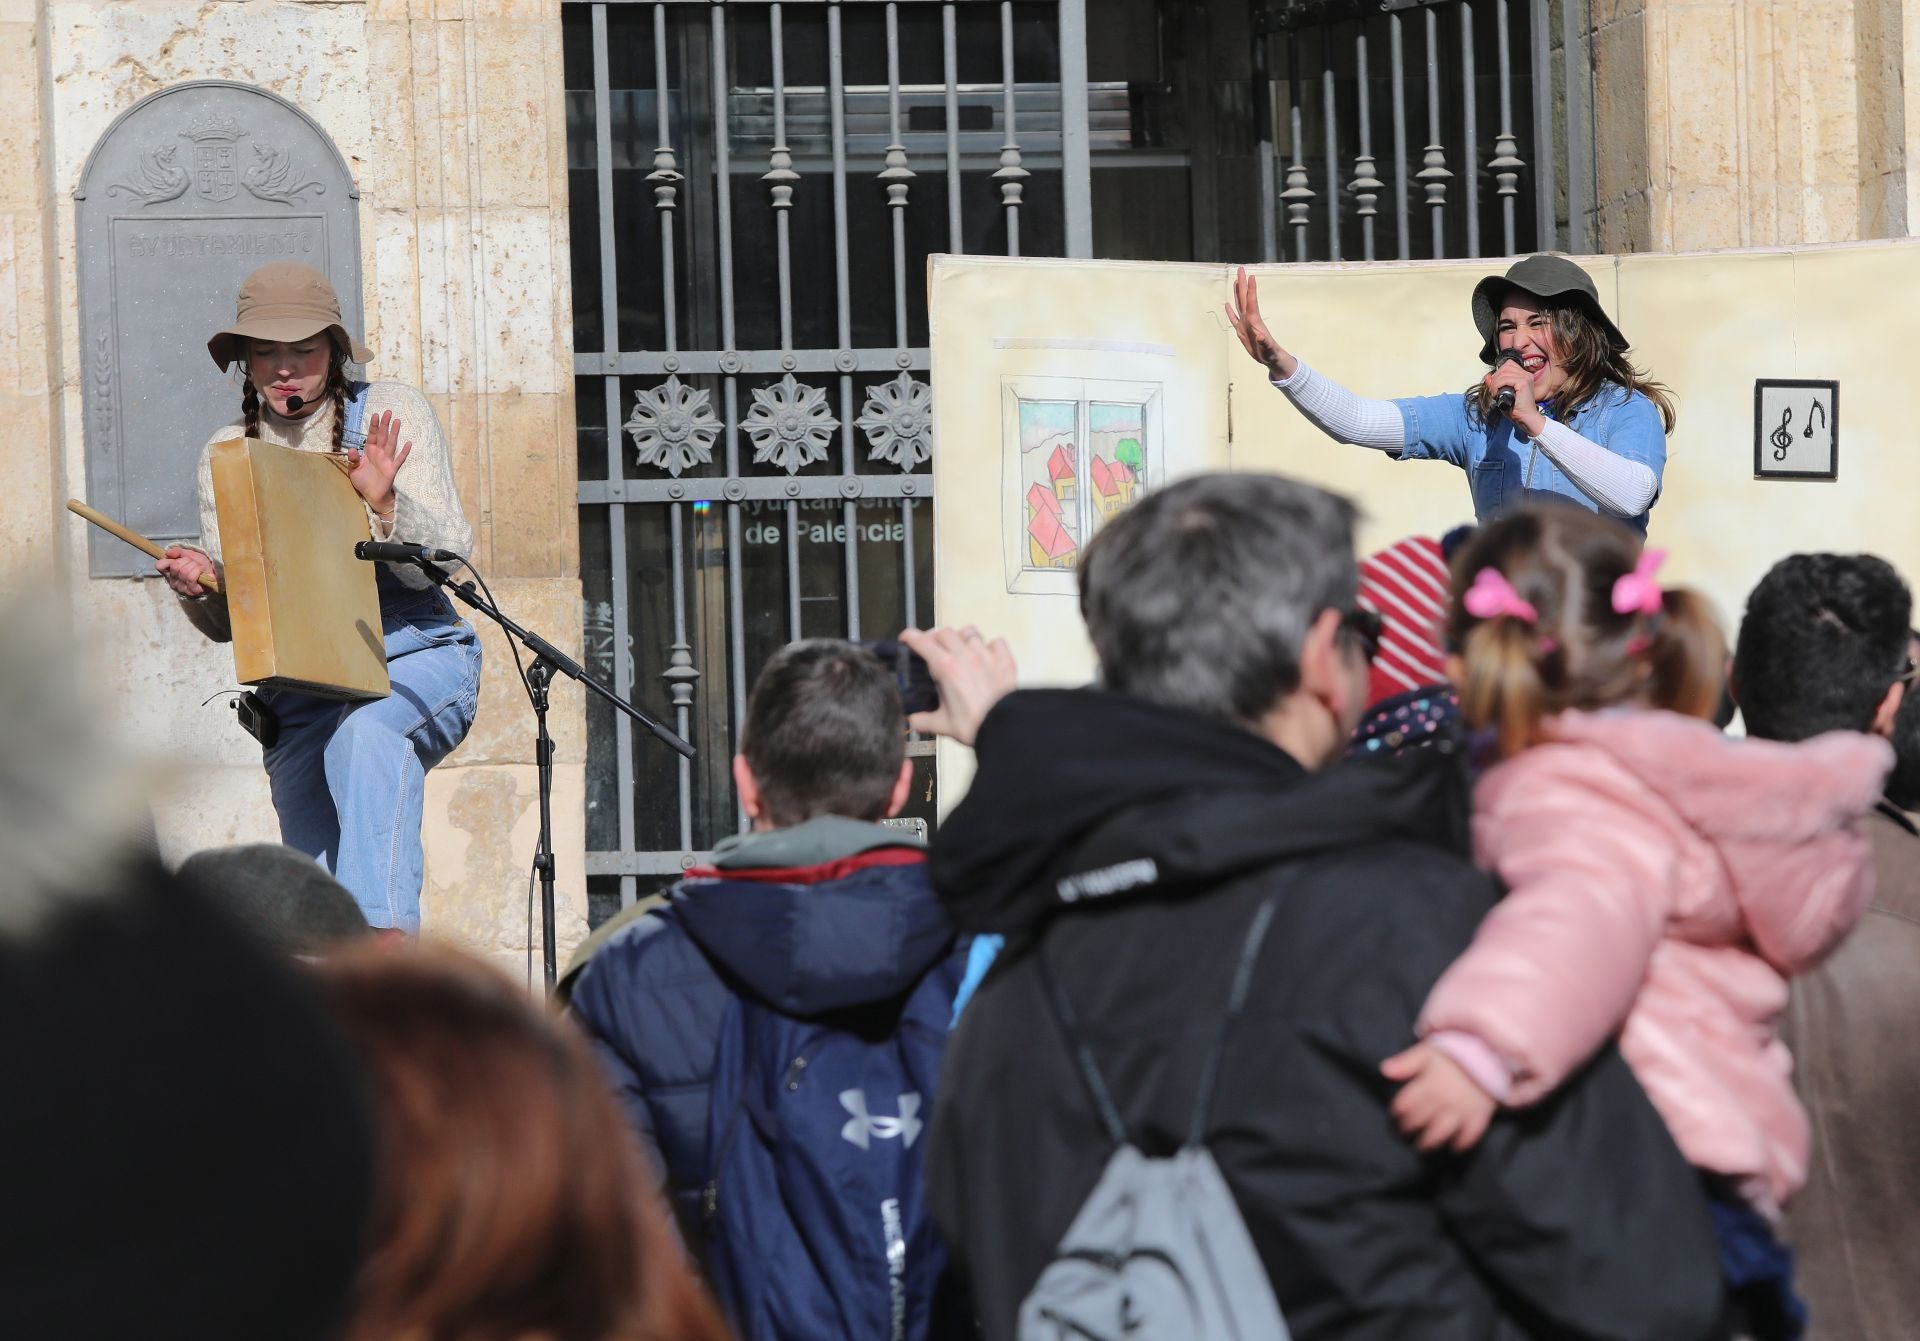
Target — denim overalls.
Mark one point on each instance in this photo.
(349, 779)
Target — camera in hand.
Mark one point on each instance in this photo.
(918, 692)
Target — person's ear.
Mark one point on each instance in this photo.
(1889, 709)
(749, 788)
(1323, 668)
(902, 789)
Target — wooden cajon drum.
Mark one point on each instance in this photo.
(305, 612)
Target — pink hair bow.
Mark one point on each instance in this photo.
(1639, 591)
(1491, 596)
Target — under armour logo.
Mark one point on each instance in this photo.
(862, 1128)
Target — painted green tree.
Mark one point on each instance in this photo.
(1128, 453)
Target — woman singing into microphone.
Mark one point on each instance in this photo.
(1584, 425)
(349, 779)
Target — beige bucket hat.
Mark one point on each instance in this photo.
(284, 301)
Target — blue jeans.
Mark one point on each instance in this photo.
(349, 780)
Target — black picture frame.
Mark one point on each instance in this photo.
(1761, 435)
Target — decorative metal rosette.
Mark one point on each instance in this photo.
(790, 424)
(673, 426)
(898, 422)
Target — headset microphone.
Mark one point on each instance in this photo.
(295, 404)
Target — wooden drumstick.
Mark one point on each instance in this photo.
(134, 538)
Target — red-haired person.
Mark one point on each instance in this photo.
(511, 1203)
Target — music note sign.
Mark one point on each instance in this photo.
(1796, 430)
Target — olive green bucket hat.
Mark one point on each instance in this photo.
(284, 301)
(1546, 278)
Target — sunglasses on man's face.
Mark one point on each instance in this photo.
(1364, 625)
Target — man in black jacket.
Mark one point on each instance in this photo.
(1130, 832)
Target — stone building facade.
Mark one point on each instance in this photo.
(1719, 123)
(448, 114)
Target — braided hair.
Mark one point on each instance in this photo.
(250, 409)
(337, 390)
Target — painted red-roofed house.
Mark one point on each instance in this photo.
(1049, 544)
(1040, 500)
(1062, 471)
(1113, 485)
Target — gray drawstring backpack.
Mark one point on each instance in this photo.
(1158, 1251)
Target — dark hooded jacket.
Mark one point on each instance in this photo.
(820, 919)
(1133, 844)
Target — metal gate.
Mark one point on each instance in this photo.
(751, 331)
(1408, 128)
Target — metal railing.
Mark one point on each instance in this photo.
(1328, 74)
(751, 354)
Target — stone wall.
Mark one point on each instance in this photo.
(449, 114)
(1743, 123)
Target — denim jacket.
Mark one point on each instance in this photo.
(1506, 467)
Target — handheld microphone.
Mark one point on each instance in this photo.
(399, 551)
(1503, 402)
(295, 404)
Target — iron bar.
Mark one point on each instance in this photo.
(1435, 173)
(680, 674)
(1366, 186)
(1397, 70)
(1333, 153)
(1075, 165)
(780, 172)
(1470, 155)
(649, 363)
(793, 571)
(837, 110)
(1011, 174)
(950, 67)
(723, 185)
(616, 446)
(896, 175)
(1506, 162)
(747, 488)
(1298, 194)
(665, 174)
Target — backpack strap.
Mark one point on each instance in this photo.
(1242, 984)
(1082, 1056)
(1236, 999)
(354, 435)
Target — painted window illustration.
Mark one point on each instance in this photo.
(1077, 451)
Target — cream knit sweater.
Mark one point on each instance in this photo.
(426, 505)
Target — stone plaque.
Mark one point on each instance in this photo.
(189, 191)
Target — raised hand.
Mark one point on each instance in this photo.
(972, 674)
(371, 469)
(1243, 314)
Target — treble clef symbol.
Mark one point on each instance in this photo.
(1781, 438)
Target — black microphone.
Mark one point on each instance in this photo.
(295, 404)
(399, 551)
(1503, 402)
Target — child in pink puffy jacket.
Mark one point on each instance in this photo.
(1665, 880)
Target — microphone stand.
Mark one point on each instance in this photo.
(546, 660)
